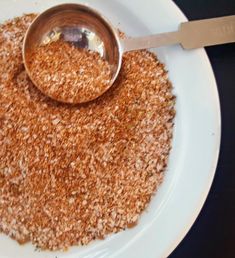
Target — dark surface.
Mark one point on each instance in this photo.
(213, 233)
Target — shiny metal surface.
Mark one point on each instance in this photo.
(81, 37)
(191, 35)
(86, 28)
(208, 32)
(79, 25)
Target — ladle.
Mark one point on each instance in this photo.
(87, 28)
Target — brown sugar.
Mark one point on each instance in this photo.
(69, 74)
(72, 174)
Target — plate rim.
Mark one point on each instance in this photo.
(217, 142)
(205, 195)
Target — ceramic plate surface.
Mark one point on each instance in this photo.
(196, 140)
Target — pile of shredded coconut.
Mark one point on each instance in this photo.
(69, 74)
(71, 174)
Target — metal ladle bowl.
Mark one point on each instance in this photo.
(80, 25)
(88, 29)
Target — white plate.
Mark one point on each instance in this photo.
(196, 137)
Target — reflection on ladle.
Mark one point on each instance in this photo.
(87, 29)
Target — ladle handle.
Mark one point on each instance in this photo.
(193, 34)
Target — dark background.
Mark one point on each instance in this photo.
(213, 233)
